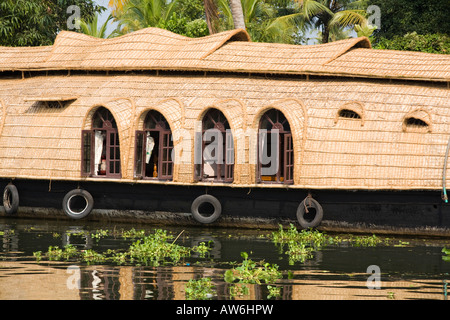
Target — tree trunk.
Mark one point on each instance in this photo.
(211, 15)
(238, 14)
(325, 34)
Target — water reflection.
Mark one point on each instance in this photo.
(416, 271)
(72, 237)
(25, 281)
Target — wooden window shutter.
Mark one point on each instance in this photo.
(166, 161)
(229, 156)
(199, 144)
(139, 154)
(87, 152)
(288, 159)
(113, 153)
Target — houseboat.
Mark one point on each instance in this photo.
(223, 131)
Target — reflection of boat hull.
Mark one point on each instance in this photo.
(408, 212)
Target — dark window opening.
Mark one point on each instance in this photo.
(416, 123)
(53, 104)
(275, 149)
(101, 147)
(49, 104)
(217, 149)
(349, 114)
(153, 147)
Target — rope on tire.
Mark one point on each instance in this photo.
(309, 197)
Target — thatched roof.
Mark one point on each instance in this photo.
(230, 51)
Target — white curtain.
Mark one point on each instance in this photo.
(99, 137)
(149, 147)
(209, 169)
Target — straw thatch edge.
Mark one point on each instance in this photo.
(361, 42)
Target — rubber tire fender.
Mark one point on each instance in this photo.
(199, 201)
(80, 193)
(301, 210)
(11, 202)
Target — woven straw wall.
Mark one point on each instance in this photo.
(374, 152)
(2, 115)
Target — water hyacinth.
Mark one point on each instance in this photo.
(155, 248)
(301, 245)
(200, 289)
(151, 250)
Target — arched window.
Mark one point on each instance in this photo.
(275, 151)
(417, 121)
(348, 114)
(412, 124)
(101, 147)
(351, 111)
(154, 145)
(217, 149)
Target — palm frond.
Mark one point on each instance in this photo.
(347, 18)
(92, 28)
(250, 8)
(117, 5)
(311, 8)
(295, 20)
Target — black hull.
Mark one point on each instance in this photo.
(405, 212)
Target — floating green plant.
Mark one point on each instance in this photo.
(366, 241)
(251, 272)
(151, 250)
(298, 251)
(313, 237)
(203, 248)
(98, 234)
(90, 256)
(200, 289)
(66, 253)
(133, 233)
(154, 249)
(447, 254)
(301, 245)
(274, 292)
(37, 255)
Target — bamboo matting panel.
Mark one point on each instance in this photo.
(330, 152)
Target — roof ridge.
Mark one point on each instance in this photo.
(360, 42)
(237, 34)
(65, 36)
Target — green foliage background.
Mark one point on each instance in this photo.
(37, 22)
(414, 25)
(431, 43)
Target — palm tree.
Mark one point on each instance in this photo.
(365, 30)
(92, 28)
(237, 13)
(117, 4)
(211, 15)
(232, 9)
(262, 21)
(139, 14)
(332, 16)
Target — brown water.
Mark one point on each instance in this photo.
(413, 269)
